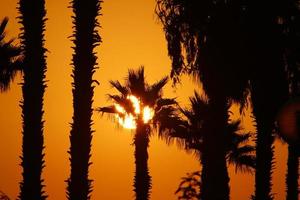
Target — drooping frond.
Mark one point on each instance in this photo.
(108, 109)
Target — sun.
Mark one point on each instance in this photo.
(128, 120)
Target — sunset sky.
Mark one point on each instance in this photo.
(132, 36)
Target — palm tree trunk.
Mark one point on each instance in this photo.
(142, 179)
(84, 61)
(214, 176)
(264, 160)
(292, 174)
(33, 21)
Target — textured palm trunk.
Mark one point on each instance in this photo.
(84, 61)
(292, 173)
(214, 177)
(264, 160)
(268, 95)
(142, 179)
(33, 21)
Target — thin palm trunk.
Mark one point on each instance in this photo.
(292, 173)
(84, 61)
(214, 177)
(142, 179)
(264, 160)
(33, 21)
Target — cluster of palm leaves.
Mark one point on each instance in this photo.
(235, 48)
(10, 62)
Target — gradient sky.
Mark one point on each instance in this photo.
(131, 37)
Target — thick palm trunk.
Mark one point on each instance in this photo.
(84, 61)
(33, 21)
(292, 173)
(214, 177)
(142, 179)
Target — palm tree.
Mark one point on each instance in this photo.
(150, 101)
(10, 59)
(193, 130)
(221, 40)
(32, 19)
(86, 38)
(291, 29)
(206, 41)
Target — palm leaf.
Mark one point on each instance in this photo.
(122, 89)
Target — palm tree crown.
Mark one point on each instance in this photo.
(135, 95)
(192, 128)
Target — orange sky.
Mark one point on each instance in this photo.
(131, 37)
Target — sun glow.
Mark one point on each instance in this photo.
(136, 103)
(148, 114)
(128, 120)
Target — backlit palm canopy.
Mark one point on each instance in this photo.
(191, 127)
(138, 102)
(10, 60)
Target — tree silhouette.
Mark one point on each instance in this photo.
(32, 19)
(194, 131)
(10, 59)
(205, 40)
(149, 96)
(189, 187)
(219, 41)
(269, 89)
(86, 38)
(291, 23)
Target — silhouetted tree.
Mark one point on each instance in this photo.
(225, 49)
(148, 95)
(269, 88)
(10, 58)
(86, 38)
(193, 130)
(33, 19)
(205, 40)
(290, 20)
(189, 187)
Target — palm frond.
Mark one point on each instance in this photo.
(154, 91)
(10, 59)
(161, 102)
(122, 89)
(3, 25)
(108, 109)
(136, 81)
